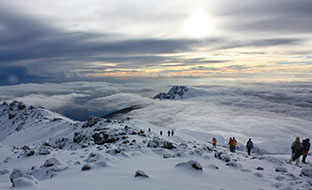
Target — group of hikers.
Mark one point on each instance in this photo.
(170, 132)
(299, 149)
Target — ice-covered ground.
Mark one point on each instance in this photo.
(101, 153)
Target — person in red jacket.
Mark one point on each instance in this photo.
(231, 144)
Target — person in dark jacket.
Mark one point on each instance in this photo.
(306, 147)
(249, 146)
(296, 148)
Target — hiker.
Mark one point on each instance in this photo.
(149, 130)
(234, 144)
(172, 133)
(249, 146)
(214, 142)
(160, 133)
(306, 147)
(296, 148)
(168, 133)
(231, 144)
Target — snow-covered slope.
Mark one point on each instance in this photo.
(21, 124)
(131, 154)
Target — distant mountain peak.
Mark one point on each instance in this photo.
(176, 92)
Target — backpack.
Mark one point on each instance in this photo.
(249, 144)
(234, 142)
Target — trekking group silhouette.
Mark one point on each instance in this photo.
(298, 149)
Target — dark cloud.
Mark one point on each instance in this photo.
(279, 17)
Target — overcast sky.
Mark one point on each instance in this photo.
(56, 41)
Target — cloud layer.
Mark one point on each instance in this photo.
(269, 113)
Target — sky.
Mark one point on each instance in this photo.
(115, 40)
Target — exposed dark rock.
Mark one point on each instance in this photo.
(86, 167)
(102, 138)
(140, 173)
(159, 143)
(259, 168)
(91, 121)
(11, 116)
(176, 92)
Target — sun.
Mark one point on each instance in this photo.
(198, 25)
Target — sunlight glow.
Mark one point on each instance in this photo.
(198, 25)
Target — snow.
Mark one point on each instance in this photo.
(113, 151)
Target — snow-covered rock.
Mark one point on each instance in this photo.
(192, 164)
(176, 92)
(23, 182)
(223, 156)
(25, 175)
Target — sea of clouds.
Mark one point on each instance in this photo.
(272, 114)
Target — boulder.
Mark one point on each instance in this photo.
(140, 173)
(52, 162)
(222, 156)
(192, 164)
(23, 182)
(86, 167)
(27, 178)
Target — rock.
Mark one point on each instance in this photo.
(49, 169)
(52, 162)
(281, 169)
(61, 142)
(94, 157)
(192, 164)
(140, 173)
(92, 120)
(259, 168)
(159, 143)
(22, 182)
(79, 137)
(176, 92)
(222, 156)
(86, 167)
(102, 138)
(234, 164)
(21, 173)
(306, 172)
(44, 150)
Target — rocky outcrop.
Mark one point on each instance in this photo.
(176, 92)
